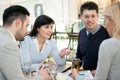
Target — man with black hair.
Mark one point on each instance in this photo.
(15, 22)
(90, 37)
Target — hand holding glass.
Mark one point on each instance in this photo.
(76, 63)
(27, 69)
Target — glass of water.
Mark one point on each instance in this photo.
(53, 71)
(27, 68)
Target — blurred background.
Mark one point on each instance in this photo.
(66, 14)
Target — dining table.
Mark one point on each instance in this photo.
(63, 73)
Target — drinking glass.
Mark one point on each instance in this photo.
(27, 69)
(70, 56)
(76, 63)
(53, 71)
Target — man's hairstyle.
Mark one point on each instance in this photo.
(88, 6)
(14, 12)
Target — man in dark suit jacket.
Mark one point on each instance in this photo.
(90, 37)
(15, 22)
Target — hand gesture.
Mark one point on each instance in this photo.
(64, 52)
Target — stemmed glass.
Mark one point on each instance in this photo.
(70, 56)
(27, 68)
(53, 71)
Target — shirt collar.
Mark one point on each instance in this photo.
(47, 41)
(12, 36)
(36, 41)
(37, 44)
(97, 28)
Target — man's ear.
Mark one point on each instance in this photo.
(18, 23)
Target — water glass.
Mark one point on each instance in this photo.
(27, 69)
(53, 71)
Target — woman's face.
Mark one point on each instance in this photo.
(45, 31)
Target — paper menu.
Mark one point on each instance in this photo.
(85, 75)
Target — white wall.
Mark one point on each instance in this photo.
(64, 12)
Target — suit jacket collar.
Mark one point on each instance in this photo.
(9, 34)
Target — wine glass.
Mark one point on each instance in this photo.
(53, 71)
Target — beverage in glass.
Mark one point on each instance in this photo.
(76, 63)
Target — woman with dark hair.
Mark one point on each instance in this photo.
(37, 46)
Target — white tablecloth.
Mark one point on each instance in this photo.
(84, 75)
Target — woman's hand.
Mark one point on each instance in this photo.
(64, 52)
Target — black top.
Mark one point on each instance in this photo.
(88, 46)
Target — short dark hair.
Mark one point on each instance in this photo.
(88, 6)
(13, 12)
(40, 21)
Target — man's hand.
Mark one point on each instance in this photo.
(44, 73)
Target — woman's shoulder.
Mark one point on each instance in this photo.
(51, 41)
(111, 41)
(27, 39)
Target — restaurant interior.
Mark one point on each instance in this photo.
(66, 14)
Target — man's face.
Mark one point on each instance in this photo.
(22, 31)
(90, 18)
